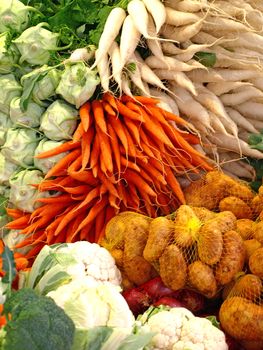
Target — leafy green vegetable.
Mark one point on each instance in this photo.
(208, 59)
(9, 269)
(37, 323)
(256, 141)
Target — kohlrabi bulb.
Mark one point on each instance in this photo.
(9, 88)
(5, 124)
(8, 54)
(29, 118)
(14, 15)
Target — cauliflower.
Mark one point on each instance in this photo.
(179, 329)
(62, 263)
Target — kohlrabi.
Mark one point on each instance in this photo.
(35, 44)
(22, 194)
(9, 88)
(7, 168)
(45, 164)
(29, 118)
(20, 146)
(14, 15)
(5, 124)
(59, 121)
(78, 83)
(8, 54)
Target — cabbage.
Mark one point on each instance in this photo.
(59, 121)
(22, 195)
(78, 83)
(9, 88)
(45, 164)
(35, 44)
(30, 118)
(13, 15)
(44, 87)
(20, 146)
(5, 124)
(8, 55)
(7, 168)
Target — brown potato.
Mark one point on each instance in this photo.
(237, 206)
(241, 318)
(117, 254)
(258, 231)
(245, 228)
(203, 214)
(232, 259)
(160, 234)
(173, 268)
(247, 286)
(250, 245)
(201, 277)
(186, 226)
(256, 205)
(256, 262)
(138, 270)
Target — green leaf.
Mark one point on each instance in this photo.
(96, 336)
(255, 139)
(136, 341)
(9, 268)
(131, 67)
(214, 321)
(208, 59)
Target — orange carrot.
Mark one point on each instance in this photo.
(174, 184)
(105, 150)
(78, 133)
(110, 99)
(14, 213)
(19, 223)
(99, 117)
(115, 147)
(119, 131)
(136, 179)
(140, 99)
(85, 116)
(108, 108)
(67, 146)
(86, 142)
(128, 113)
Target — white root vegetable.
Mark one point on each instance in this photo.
(237, 168)
(222, 88)
(191, 6)
(136, 78)
(241, 96)
(114, 53)
(82, 54)
(258, 124)
(170, 48)
(191, 108)
(179, 18)
(157, 9)
(126, 86)
(110, 31)
(154, 45)
(236, 75)
(229, 142)
(165, 98)
(252, 110)
(179, 77)
(223, 25)
(188, 53)
(205, 76)
(173, 63)
(240, 120)
(181, 34)
(207, 38)
(103, 67)
(129, 40)
(217, 124)
(257, 82)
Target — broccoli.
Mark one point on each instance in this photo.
(36, 323)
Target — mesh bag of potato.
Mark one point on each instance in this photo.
(213, 244)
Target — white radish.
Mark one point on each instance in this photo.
(217, 124)
(103, 67)
(191, 6)
(204, 76)
(157, 9)
(136, 78)
(207, 38)
(181, 34)
(252, 110)
(222, 88)
(126, 86)
(240, 120)
(170, 49)
(258, 124)
(82, 54)
(129, 40)
(179, 18)
(257, 82)
(114, 53)
(241, 96)
(229, 142)
(236, 75)
(236, 167)
(191, 50)
(165, 98)
(220, 24)
(191, 108)
(154, 45)
(110, 31)
(179, 77)
(173, 63)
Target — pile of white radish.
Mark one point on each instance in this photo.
(224, 103)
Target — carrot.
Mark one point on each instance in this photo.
(112, 200)
(95, 170)
(85, 116)
(108, 108)
(84, 176)
(174, 184)
(68, 217)
(141, 99)
(119, 131)
(86, 142)
(78, 133)
(136, 179)
(99, 223)
(73, 226)
(108, 97)
(92, 194)
(67, 146)
(127, 112)
(129, 164)
(170, 116)
(63, 164)
(78, 189)
(34, 251)
(87, 233)
(18, 223)
(134, 131)
(99, 117)
(76, 164)
(115, 148)
(131, 146)
(105, 150)
(108, 182)
(95, 152)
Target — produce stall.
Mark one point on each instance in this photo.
(131, 175)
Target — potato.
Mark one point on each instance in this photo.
(186, 226)
(138, 270)
(173, 268)
(160, 234)
(245, 228)
(241, 319)
(247, 286)
(237, 206)
(203, 214)
(252, 345)
(210, 239)
(256, 262)
(256, 205)
(201, 277)
(232, 259)
(240, 189)
(117, 254)
(258, 231)
(250, 246)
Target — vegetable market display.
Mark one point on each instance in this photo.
(131, 174)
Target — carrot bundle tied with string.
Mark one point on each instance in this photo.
(125, 155)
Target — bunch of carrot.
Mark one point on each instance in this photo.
(124, 155)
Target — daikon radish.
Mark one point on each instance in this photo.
(257, 82)
(237, 168)
(114, 53)
(236, 75)
(157, 9)
(222, 88)
(179, 18)
(173, 63)
(205, 76)
(217, 124)
(252, 110)
(181, 34)
(154, 45)
(104, 71)
(240, 120)
(166, 98)
(258, 124)
(188, 53)
(179, 77)
(170, 48)
(110, 31)
(126, 86)
(241, 96)
(220, 24)
(136, 78)
(191, 6)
